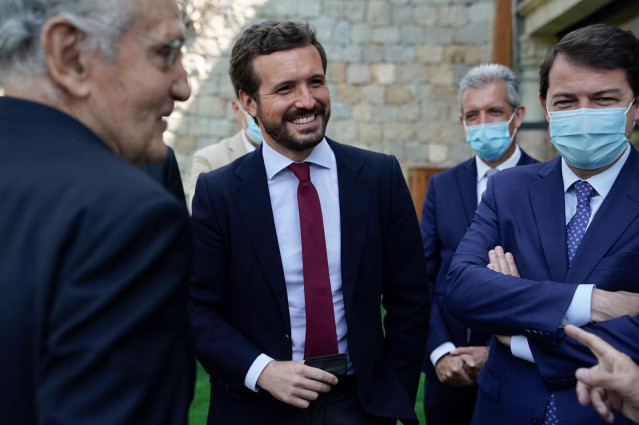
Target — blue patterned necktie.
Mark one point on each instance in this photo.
(578, 223)
(574, 234)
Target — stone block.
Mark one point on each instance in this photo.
(361, 33)
(438, 35)
(363, 112)
(398, 95)
(436, 153)
(373, 94)
(358, 74)
(379, 13)
(440, 74)
(455, 54)
(473, 33)
(309, 9)
(345, 131)
(453, 16)
(460, 70)
(384, 73)
(354, 10)
(332, 8)
(336, 72)
(185, 144)
(411, 34)
(372, 54)
(398, 53)
(412, 73)
(481, 12)
(410, 113)
(397, 131)
(340, 110)
(386, 114)
(403, 15)
(212, 106)
(348, 53)
(426, 15)
(370, 132)
(282, 9)
(348, 93)
(430, 53)
(342, 33)
(386, 35)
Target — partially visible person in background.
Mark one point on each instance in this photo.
(95, 256)
(612, 384)
(226, 151)
(491, 113)
(167, 173)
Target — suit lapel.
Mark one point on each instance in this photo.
(254, 205)
(547, 200)
(618, 210)
(354, 207)
(467, 183)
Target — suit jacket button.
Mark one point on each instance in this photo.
(287, 337)
(533, 421)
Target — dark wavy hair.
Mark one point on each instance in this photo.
(596, 46)
(263, 39)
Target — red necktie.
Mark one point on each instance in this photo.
(321, 336)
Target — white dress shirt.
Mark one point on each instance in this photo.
(578, 312)
(250, 147)
(282, 186)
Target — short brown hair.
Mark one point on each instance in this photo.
(263, 39)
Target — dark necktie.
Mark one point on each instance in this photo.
(321, 335)
(579, 222)
(574, 234)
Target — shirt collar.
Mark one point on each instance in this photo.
(321, 155)
(482, 167)
(250, 147)
(601, 182)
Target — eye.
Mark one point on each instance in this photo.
(317, 82)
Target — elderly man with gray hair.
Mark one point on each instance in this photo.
(95, 255)
(491, 113)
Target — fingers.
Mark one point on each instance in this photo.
(601, 404)
(598, 346)
(501, 262)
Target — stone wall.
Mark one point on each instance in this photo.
(393, 71)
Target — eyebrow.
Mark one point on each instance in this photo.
(598, 93)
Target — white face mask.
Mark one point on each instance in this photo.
(589, 138)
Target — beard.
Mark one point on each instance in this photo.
(296, 141)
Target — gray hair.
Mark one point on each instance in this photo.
(22, 21)
(484, 74)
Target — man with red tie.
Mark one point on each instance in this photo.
(298, 244)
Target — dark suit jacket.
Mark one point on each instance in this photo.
(238, 301)
(523, 210)
(449, 207)
(167, 173)
(93, 270)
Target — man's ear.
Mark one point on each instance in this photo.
(248, 103)
(68, 65)
(543, 106)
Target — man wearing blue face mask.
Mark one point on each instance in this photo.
(491, 113)
(572, 224)
(226, 151)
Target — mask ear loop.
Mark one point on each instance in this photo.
(509, 121)
(628, 108)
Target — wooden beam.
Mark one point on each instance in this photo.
(503, 33)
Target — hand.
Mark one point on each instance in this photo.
(295, 383)
(501, 262)
(479, 355)
(453, 370)
(504, 339)
(610, 384)
(605, 305)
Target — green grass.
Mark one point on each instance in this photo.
(200, 406)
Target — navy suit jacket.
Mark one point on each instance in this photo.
(523, 210)
(94, 262)
(449, 207)
(238, 301)
(167, 173)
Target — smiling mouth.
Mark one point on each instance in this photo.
(305, 120)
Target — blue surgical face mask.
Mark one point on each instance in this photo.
(253, 130)
(490, 141)
(589, 138)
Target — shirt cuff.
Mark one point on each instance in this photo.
(578, 312)
(254, 372)
(519, 348)
(441, 351)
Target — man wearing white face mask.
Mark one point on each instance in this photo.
(491, 113)
(226, 151)
(572, 224)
